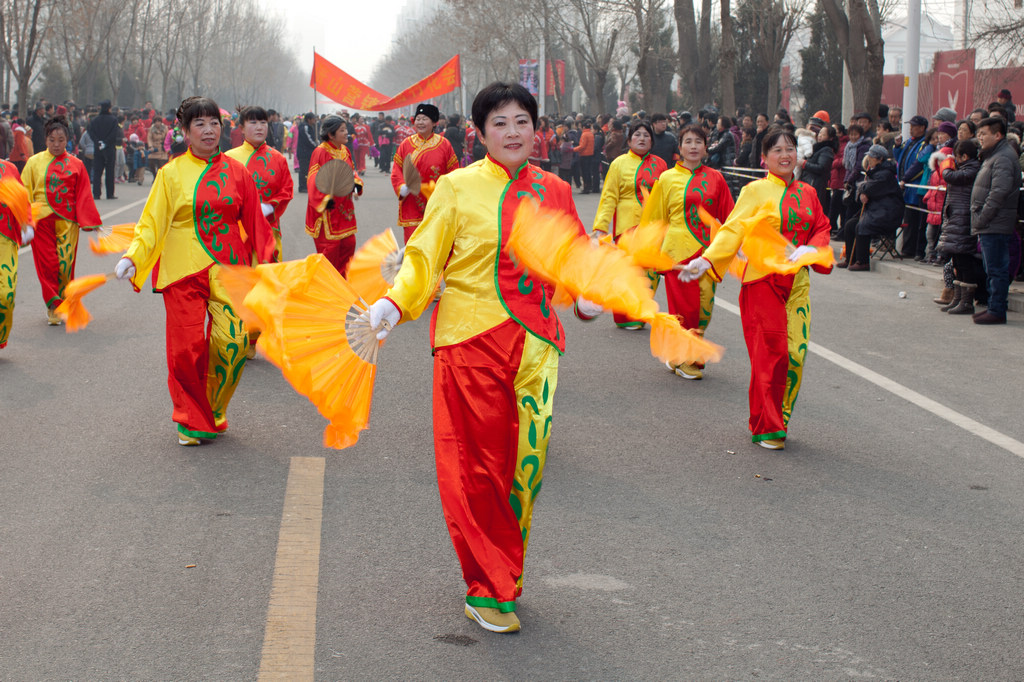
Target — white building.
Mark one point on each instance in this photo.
(935, 37)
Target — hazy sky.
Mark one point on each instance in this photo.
(353, 34)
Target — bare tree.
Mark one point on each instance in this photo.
(695, 49)
(727, 62)
(773, 24)
(23, 29)
(589, 28)
(859, 34)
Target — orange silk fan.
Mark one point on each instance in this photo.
(373, 268)
(316, 329)
(113, 239)
(16, 197)
(549, 245)
(71, 309)
(643, 244)
(767, 250)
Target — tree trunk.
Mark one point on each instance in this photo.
(727, 62)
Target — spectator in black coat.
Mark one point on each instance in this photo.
(107, 136)
(37, 122)
(956, 240)
(456, 135)
(881, 201)
(307, 142)
(817, 168)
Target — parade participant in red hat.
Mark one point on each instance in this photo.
(433, 156)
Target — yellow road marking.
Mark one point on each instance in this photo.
(289, 642)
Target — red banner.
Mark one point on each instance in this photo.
(954, 82)
(331, 81)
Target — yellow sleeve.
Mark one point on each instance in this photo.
(609, 199)
(426, 253)
(727, 242)
(151, 230)
(654, 208)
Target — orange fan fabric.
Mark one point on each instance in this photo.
(643, 244)
(767, 250)
(71, 309)
(372, 270)
(113, 239)
(548, 244)
(238, 281)
(16, 197)
(316, 330)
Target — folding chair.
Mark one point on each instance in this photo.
(887, 246)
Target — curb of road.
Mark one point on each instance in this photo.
(913, 272)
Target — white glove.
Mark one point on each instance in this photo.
(693, 270)
(588, 308)
(403, 192)
(27, 233)
(383, 317)
(267, 209)
(801, 251)
(125, 269)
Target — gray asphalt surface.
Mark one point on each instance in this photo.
(883, 543)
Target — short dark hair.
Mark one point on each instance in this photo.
(994, 124)
(55, 123)
(773, 135)
(497, 94)
(970, 125)
(855, 127)
(968, 147)
(252, 113)
(658, 117)
(637, 125)
(194, 107)
(695, 128)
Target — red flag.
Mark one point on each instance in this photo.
(331, 81)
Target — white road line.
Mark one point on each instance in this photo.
(938, 409)
(108, 215)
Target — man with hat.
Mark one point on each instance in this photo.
(943, 115)
(911, 158)
(1005, 100)
(433, 157)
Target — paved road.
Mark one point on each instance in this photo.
(881, 544)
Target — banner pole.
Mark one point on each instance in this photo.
(462, 88)
(316, 114)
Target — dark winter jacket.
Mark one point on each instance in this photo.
(722, 151)
(956, 234)
(996, 190)
(818, 167)
(853, 159)
(884, 210)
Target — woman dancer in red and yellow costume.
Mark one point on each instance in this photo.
(433, 156)
(12, 237)
(203, 212)
(675, 200)
(268, 167)
(332, 226)
(496, 342)
(775, 309)
(60, 183)
(629, 180)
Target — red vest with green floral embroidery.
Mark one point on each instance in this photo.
(796, 212)
(216, 212)
(60, 193)
(647, 173)
(8, 225)
(528, 301)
